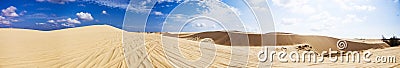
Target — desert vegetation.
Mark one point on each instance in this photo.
(393, 41)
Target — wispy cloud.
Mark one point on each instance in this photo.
(295, 6)
(56, 1)
(320, 19)
(112, 3)
(351, 5)
(51, 21)
(4, 21)
(290, 21)
(158, 13)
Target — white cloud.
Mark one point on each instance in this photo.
(51, 21)
(13, 20)
(103, 12)
(295, 6)
(225, 14)
(319, 28)
(318, 18)
(4, 21)
(364, 7)
(290, 21)
(114, 3)
(235, 10)
(61, 20)
(350, 5)
(74, 21)
(23, 13)
(40, 23)
(336, 18)
(351, 18)
(324, 21)
(56, 1)
(178, 16)
(68, 20)
(158, 13)
(7, 20)
(84, 16)
(10, 12)
(68, 25)
(2, 18)
(141, 6)
(199, 25)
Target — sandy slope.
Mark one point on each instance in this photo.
(93, 46)
(106, 46)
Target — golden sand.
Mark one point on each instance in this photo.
(103, 46)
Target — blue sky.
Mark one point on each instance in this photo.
(55, 14)
(337, 18)
(170, 16)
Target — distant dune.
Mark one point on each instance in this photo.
(284, 39)
(103, 46)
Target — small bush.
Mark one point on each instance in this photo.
(393, 41)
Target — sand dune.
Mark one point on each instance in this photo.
(94, 46)
(105, 46)
(319, 43)
(190, 51)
